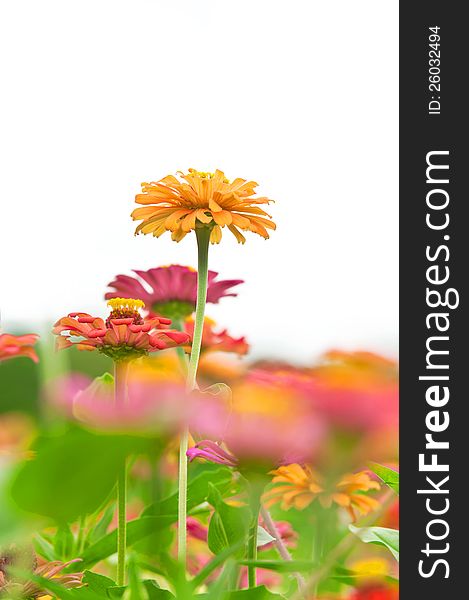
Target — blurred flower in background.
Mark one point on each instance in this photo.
(13, 346)
(217, 341)
(301, 486)
(154, 407)
(170, 291)
(354, 390)
(16, 433)
(259, 423)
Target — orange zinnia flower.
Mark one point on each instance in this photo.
(199, 199)
(302, 486)
(12, 346)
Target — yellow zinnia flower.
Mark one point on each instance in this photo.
(199, 199)
(302, 486)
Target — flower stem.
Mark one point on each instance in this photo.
(252, 543)
(203, 239)
(280, 545)
(121, 369)
(256, 489)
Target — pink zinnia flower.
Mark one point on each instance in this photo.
(150, 407)
(212, 452)
(12, 346)
(196, 530)
(170, 290)
(123, 336)
(261, 425)
(357, 391)
(286, 532)
(263, 577)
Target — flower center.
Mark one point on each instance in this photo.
(176, 310)
(125, 308)
(206, 175)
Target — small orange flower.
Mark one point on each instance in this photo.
(302, 486)
(12, 346)
(199, 199)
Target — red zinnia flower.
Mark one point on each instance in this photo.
(123, 336)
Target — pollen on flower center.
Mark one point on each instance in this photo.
(206, 175)
(125, 308)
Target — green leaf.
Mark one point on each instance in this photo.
(281, 566)
(136, 530)
(228, 525)
(66, 466)
(354, 578)
(388, 476)
(64, 542)
(218, 560)
(98, 583)
(44, 548)
(100, 530)
(379, 535)
(256, 593)
(135, 589)
(116, 591)
(154, 592)
(197, 492)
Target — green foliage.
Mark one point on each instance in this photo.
(388, 476)
(157, 518)
(280, 566)
(379, 535)
(19, 386)
(98, 583)
(136, 531)
(228, 525)
(197, 491)
(53, 483)
(256, 593)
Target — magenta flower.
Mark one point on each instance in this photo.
(212, 452)
(196, 530)
(171, 290)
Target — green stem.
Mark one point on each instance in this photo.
(271, 528)
(252, 543)
(203, 240)
(120, 393)
(256, 489)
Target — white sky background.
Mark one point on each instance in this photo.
(301, 96)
